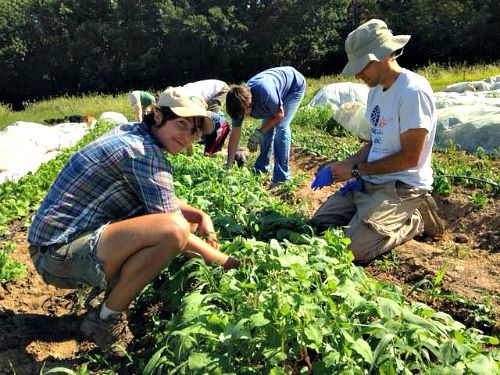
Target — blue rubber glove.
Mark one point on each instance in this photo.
(254, 140)
(323, 178)
(355, 185)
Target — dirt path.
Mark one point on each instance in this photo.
(36, 322)
(39, 323)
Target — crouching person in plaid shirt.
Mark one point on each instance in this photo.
(111, 220)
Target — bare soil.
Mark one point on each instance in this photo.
(39, 324)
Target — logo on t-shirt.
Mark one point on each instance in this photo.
(375, 116)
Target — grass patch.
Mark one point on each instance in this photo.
(60, 107)
(441, 76)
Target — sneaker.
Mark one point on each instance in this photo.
(112, 335)
(94, 298)
(433, 225)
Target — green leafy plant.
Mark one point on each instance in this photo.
(479, 200)
(10, 269)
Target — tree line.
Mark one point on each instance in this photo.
(53, 47)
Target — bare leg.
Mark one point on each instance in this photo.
(134, 251)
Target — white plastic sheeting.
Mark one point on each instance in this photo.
(114, 117)
(488, 84)
(337, 94)
(349, 102)
(24, 146)
(469, 115)
(469, 127)
(352, 117)
(451, 99)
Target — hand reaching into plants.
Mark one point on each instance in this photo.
(254, 140)
(207, 232)
(236, 263)
(240, 158)
(231, 263)
(323, 178)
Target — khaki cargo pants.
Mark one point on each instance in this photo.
(376, 219)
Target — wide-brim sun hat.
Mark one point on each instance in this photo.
(371, 41)
(184, 105)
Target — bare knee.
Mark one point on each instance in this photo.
(173, 230)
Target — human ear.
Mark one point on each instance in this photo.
(158, 116)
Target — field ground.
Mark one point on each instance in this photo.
(39, 323)
(460, 275)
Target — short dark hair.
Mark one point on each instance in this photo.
(167, 113)
(238, 98)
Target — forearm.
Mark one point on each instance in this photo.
(190, 213)
(393, 163)
(361, 156)
(412, 144)
(232, 146)
(270, 123)
(138, 113)
(342, 170)
(197, 247)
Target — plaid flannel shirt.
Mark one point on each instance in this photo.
(122, 174)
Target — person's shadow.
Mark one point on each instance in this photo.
(18, 330)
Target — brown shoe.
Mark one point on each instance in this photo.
(112, 335)
(433, 225)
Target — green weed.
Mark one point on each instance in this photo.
(10, 269)
(479, 200)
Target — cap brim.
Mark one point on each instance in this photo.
(208, 124)
(355, 66)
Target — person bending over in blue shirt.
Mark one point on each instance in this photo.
(274, 96)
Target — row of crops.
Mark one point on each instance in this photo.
(297, 305)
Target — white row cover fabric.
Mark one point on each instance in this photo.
(349, 102)
(352, 117)
(337, 94)
(488, 84)
(451, 99)
(469, 127)
(24, 146)
(114, 117)
(469, 115)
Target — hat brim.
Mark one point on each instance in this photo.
(355, 66)
(208, 126)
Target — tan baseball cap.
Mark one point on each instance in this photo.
(183, 105)
(372, 41)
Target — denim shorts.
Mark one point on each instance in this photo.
(73, 265)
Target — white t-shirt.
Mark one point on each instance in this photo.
(205, 89)
(407, 104)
